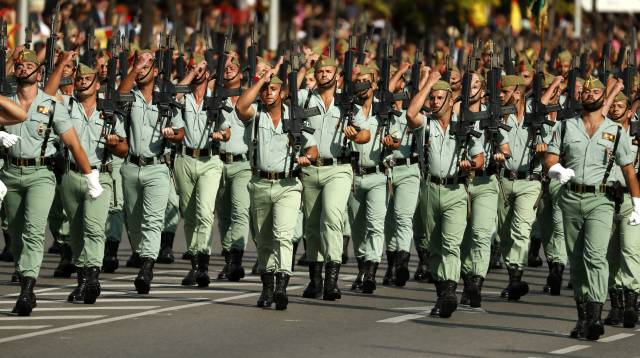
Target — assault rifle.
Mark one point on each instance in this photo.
(50, 51)
(89, 53)
(414, 79)
(252, 54)
(605, 69)
(572, 107)
(6, 87)
(537, 117)
(631, 70)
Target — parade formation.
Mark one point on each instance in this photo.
(480, 152)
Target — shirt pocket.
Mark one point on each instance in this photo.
(37, 125)
(604, 149)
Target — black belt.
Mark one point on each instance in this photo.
(103, 168)
(323, 162)
(406, 161)
(144, 161)
(369, 170)
(587, 189)
(518, 175)
(446, 180)
(197, 152)
(485, 173)
(275, 175)
(30, 162)
(228, 158)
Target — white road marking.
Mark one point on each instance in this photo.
(403, 318)
(23, 327)
(33, 318)
(570, 349)
(112, 300)
(88, 308)
(116, 293)
(167, 285)
(615, 337)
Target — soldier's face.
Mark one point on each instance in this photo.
(68, 68)
(311, 81)
(86, 85)
(231, 71)
(528, 78)
(456, 83)
(617, 110)
(148, 73)
(476, 89)
(271, 94)
(101, 65)
(366, 78)
(507, 95)
(325, 76)
(440, 101)
(26, 72)
(592, 95)
(564, 68)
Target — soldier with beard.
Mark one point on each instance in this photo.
(145, 175)
(581, 155)
(327, 181)
(29, 175)
(198, 170)
(623, 254)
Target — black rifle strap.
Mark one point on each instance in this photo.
(47, 132)
(563, 130)
(612, 157)
(254, 136)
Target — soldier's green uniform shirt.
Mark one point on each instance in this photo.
(240, 132)
(588, 217)
(88, 216)
(521, 138)
(31, 187)
(329, 184)
(275, 203)
(198, 132)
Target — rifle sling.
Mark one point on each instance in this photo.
(612, 157)
(47, 132)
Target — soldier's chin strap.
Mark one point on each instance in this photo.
(89, 85)
(22, 79)
(328, 83)
(145, 76)
(443, 103)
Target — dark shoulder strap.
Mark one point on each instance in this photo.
(612, 157)
(47, 132)
(254, 136)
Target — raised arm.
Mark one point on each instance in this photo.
(11, 112)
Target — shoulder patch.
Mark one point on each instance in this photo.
(43, 109)
(608, 136)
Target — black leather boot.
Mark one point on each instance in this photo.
(579, 330)
(254, 269)
(187, 255)
(134, 260)
(475, 297)
(16, 277)
(546, 288)
(402, 268)
(516, 288)
(77, 295)
(593, 326)
(224, 274)
(190, 278)
(422, 273)
(345, 249)
(202, 275)
(314, 288)
(447, 301)
(236, 271)
(534, 259)
(554, 280)
(26, 301)
(65, 267)
(110, 261)
(616, 295)
(357, 284)
(166, 248)
(495, 260)
(369, 278)
(266, 297)
(389, 274)
(630, 303)
(93, 285)
(55, 246)
(145, 276)
(331, 290)
(280, 294)
(466, 281)
(6, 254)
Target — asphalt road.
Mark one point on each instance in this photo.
(222, 320)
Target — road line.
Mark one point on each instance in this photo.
(117, 293)
(33, 318)
(119, 300)
(169, 285)
(615, 337)
(403, 318)
(126, 317)
(23, 327)
(570, 349)
(88, 308)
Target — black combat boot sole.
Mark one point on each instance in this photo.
(235, 274)
(448, 306)
(386, 279)
(311, 292)
(516, 291)
(189, 279)
(593, 331)
(142, 286)
(110, 264)
(475, 297)
(614, 317)
(577, 331)
(281, 300)
(187, 256)
(402, 276)
(630, 319)
(203, 280)
(333, 295)
(165, 258)
(224, 274)
(64, 270)
(91, 293)
(23, 307)
(368, 286)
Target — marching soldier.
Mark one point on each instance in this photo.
(275, 188)
(581, 156)
(88, 215)
(145, 175)
(198, 170)
(327, 182)
(623, 254)
(28, 173)
(445, 202)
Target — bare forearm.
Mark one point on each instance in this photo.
(10, 112)
(632, 180)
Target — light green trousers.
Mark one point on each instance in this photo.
(197, 183)
(115, 222)
(550, 225)
(623, 254)
(172, 211)
(233, 206)
(367, 209)
(275, 203)
(402, 207)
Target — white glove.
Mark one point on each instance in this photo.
(3, 191)
(634, 218)
(561, 173)
(7, 139)
(93, 182)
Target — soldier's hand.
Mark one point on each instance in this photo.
(200, 68)
(217, 136)
(425, 71)
(143, 61)
(304, 161)
(465, 165)
(350, 132)
(557, 80)
(267, 75)
(404, 67)
(390, 142)
(112, 140)
(16, 52)
(310, 60)
(541, 148)
(168, 132)
(434, 77)
(67, 57)
(499, 157)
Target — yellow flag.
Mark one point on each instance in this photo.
(515, 17)
(479, 14)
